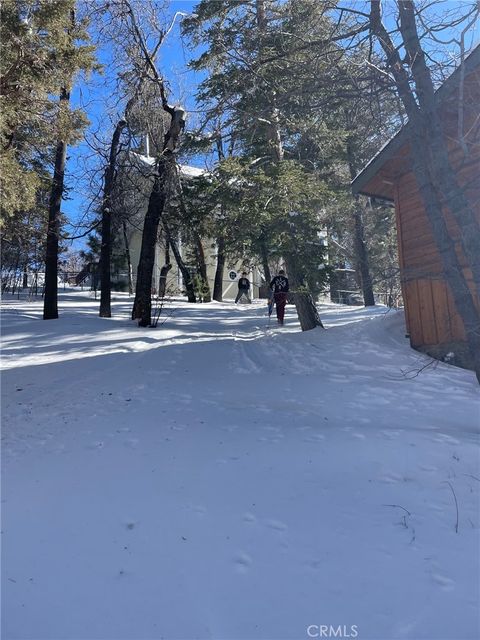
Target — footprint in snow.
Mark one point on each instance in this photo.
(96, 445)
(339, 378)
(276, 525)
(197, 508)
(390, 478)
(249, 517)
(227, 460)
(318, 437)
(443, 582)
(230, 428)
(131, 443)
(59, 448)
(443, 437)
(390, 435)
(242, 562)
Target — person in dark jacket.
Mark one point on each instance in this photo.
(243, 288)
(279, 287)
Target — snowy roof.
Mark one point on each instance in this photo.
(191, 172)
(390, 148)
(186, 170)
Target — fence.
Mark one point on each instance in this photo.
(355, 297)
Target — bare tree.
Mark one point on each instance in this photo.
(164, 171)
(436, 178)
(106, 246)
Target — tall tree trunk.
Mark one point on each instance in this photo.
(304, 303)
(15, 272)
(142, 305)
(265, 265)
(187, 278)
(442, 173)
(452, 269)
(361, 253)
(162, 284)
(5, 279)
(221, 257)
(106, 246)
(218, 283)
(50, 302)
(202, 265)
(128, 257)
(434, 175)
(261, 15)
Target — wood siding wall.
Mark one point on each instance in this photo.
(431, 315)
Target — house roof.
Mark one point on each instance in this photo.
(393, 150)
(186, 171)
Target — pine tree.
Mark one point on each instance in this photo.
(263, 106)
(70, 60)
(35, 54)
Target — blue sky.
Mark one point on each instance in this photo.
(97, 97)
(99, 92)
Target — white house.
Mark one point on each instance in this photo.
(140, 166)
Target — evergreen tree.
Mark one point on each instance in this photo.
(70, 59)
(263, 105)
(37, 51)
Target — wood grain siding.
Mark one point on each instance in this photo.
(443, 324)
(429, 308)
(457, 330)
(412, 308)
(431, 316)
(400, 258)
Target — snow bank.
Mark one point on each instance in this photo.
(220, 478)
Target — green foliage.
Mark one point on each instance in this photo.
(23, 235)
(201, 288)
(39, 54)
(259, 90)
(275, 77)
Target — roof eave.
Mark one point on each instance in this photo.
(360, 181)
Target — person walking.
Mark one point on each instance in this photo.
(279, 286)
(243, 288)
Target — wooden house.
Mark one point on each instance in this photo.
(432, 321)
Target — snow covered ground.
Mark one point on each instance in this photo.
(216, 478)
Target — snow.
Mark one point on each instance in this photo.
(187, 171)
(219, 478)
(191, 172)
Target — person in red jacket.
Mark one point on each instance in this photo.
(279, 287)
